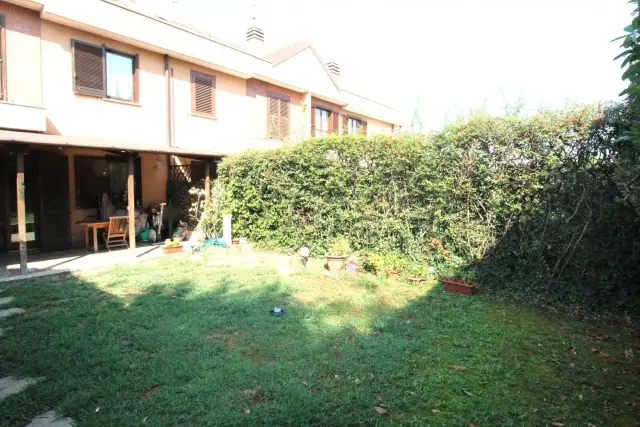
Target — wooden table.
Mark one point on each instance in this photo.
(95, 226)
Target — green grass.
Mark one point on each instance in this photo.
(178, 342)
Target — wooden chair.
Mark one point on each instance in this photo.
(116, 235)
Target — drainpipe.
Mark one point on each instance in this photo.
(168, 75)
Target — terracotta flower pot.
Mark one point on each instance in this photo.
(171, 249)
(459, 286)
(335, 263)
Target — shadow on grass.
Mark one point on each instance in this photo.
(174, 345)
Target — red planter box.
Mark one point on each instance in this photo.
(459, 286)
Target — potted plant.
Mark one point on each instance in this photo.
(172, 246)
(462, 282)
(338, 253)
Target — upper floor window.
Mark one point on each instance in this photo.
(120, 76)
(3, 72)
(321, 125)
(106, 73)
(203, 94)
(323, 121)
(278, 116)
(355, 126)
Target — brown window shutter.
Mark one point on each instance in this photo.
(335, 122)
(273, 116)
(313, 121)
(345, 124)
(88, 69)
(284, 117)
(363, 125)
(203, 89)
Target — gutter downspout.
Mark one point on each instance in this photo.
(169, 94)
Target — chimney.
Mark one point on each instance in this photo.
(255, 39)
(334, 68)
(255, 34)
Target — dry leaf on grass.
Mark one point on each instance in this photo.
(304, 383)
(557, 424)
(467, 392)
(246, 411)
(591, 425)
(598, 352)
(380, 410)
(378, 398)
(145, 394)
(458, 368)
(563, 398)
(435, 411)
(412, 393)
(471, 425)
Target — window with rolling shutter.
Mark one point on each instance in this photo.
(89, 69)
(105, 73)
(3, 83)
(203, 94)
(278, 116)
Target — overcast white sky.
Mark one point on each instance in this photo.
(454, 55)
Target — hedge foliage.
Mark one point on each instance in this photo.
(531, 203)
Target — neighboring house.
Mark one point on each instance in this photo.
(95, 95)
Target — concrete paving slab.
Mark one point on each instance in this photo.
(13, 385)
(10, 312)
(6, 300)
(50, 419)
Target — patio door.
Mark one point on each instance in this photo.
(53, 188)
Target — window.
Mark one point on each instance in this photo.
(278, 116)
(106, 73)
(323, 121)
(203, 94)
(355, 126)
(321, 124)
(96, 176)
(3, 71)
(120, 76)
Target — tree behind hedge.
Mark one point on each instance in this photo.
(529, 202)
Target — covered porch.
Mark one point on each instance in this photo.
(51, 187)
(70, 261)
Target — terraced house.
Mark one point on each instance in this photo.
(98, 98)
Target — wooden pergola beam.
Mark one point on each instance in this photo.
(207, 181)
(131, 202)
(22, 217)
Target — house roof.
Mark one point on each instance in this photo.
(291, 50)
(275, 57)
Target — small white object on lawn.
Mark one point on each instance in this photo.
(50, 419)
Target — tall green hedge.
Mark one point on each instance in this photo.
(531, 203)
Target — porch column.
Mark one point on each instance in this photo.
(22, 223)
(207, 182)
(131, 198)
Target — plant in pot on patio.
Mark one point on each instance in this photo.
(337, 254)
(172, 246)
(461, 282)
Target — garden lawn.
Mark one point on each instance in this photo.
(184, 342)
